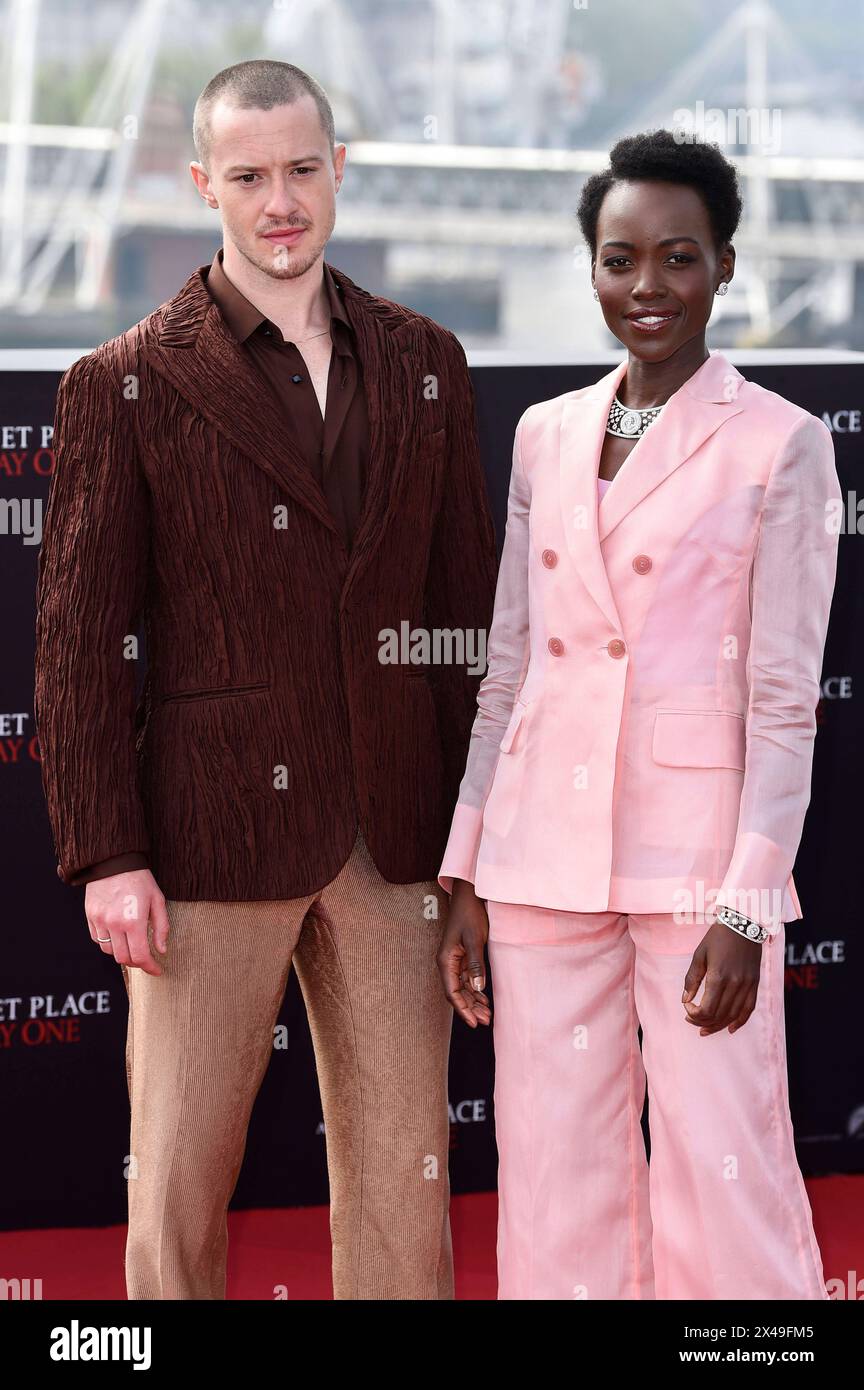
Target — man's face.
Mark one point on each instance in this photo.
(274, 179)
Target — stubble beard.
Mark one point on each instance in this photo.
(286, 262)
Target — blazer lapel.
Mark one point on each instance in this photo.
(583, 424)
(196, 351)
(690, 416)
(391, 354)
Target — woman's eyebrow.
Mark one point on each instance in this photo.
(667, 241)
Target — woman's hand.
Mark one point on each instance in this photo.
(460, 955)
(730, 966)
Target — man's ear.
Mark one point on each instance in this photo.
(201, 179)
(339, 153)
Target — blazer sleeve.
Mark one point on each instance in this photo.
(460, 585)
(508, 651)
(793, 577)
(90, 588)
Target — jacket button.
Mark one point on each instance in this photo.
(550, 559)
(555, 645)
(642, 564)
(616, 647)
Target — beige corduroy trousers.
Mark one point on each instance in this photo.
(200, 1038)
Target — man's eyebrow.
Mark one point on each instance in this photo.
(256, 169)
(667, 241)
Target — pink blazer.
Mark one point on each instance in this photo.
(644, 734)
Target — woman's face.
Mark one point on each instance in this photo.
(656, 258)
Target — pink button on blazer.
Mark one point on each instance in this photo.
(644, 734)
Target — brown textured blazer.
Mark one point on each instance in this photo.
(267, 728)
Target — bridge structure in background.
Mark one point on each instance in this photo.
(74, 190)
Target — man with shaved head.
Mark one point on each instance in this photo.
(269, 476)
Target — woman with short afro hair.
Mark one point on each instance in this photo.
(637, 780)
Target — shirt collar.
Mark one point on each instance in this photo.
(242, 316)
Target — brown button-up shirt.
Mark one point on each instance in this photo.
(336, 447)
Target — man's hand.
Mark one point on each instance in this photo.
(460, 955)
(730, 965)
(120, 908)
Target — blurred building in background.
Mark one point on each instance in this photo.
(470, 127)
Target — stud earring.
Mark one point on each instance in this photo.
(596, 295)
(722, 287)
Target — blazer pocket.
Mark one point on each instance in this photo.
(699, 738)
(215, 692)
(502, 803)
(511, 733)
(433, 440)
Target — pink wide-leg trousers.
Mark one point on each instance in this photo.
(722, 1211)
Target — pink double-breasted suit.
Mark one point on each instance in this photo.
(643, 747)
(646, 724)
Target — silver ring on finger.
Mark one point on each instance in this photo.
(103, 939)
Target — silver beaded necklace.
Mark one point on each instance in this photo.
(628, 423)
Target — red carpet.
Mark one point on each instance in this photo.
(290, 1248)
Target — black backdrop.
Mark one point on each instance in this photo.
(63, 1005)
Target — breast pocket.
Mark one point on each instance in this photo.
(432, 440)
(699, 738)
(414, 511)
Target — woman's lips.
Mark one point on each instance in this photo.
(652, 323)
